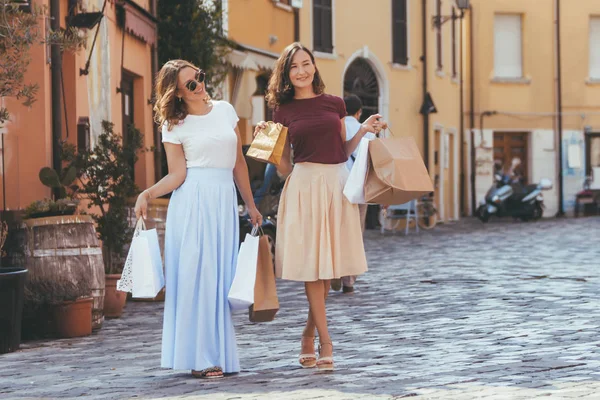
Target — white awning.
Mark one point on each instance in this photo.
(240, 59)
(263, 61)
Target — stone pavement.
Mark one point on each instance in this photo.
(506, 310)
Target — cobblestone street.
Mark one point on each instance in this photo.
(506, 310)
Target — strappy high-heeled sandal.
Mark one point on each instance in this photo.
(308, 360)
(325, 363)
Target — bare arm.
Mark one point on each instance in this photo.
(242, 181)
(352, 144)
(174, 179)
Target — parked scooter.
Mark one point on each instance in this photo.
(514, 200)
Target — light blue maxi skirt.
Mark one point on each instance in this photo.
(201, 246)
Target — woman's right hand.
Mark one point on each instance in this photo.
(261, 125)
(141, 205)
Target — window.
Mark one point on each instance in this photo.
(438, 35)
(508, 46)
(322, 26)
(24, 5)
(454, 44)
(595, 48)
(399, 32)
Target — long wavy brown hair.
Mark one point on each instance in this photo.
(281, 90)
(168, 108)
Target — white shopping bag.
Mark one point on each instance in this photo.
(354, 190)
(143, 272)
(241, 293)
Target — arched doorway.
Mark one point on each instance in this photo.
(360, 79)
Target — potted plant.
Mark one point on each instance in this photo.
(12, 282)
(65, 204)
(68, 304)
(106, 180)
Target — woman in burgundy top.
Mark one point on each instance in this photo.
(319, 236)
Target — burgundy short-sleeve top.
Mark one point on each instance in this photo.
(314, 128)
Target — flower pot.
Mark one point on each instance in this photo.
(73, 318)
(12, 283)
(114, 300)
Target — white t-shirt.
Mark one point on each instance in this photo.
(209, 141)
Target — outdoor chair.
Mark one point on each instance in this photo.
(398, 212)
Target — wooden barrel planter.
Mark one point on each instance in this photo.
(65, 246)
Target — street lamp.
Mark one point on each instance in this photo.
(439, 20)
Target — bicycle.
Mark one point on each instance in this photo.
(427, 213)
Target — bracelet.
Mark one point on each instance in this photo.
(148, 197)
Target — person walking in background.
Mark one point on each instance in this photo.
(354, 111)
(318, 233)
(204, 155)
(270, 172)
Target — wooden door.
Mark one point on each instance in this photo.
(438, 178)
(510, 145)
(449, 177)
(127, 110)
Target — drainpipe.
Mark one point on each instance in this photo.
(424, 61)
(462, 120)
(56, 67)
(472, 112)
(561, 211)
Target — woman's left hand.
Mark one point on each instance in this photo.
(255, 216)
(372, 124)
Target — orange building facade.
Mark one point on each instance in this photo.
(109, 80)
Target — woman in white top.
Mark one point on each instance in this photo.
(204, 155)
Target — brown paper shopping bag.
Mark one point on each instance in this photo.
(268, 144)
(266, 303)
(396, 173)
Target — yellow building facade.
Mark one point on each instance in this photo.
(513, 102)
(376, 52)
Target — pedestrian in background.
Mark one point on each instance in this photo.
(204, 155)
(318, 233)
(354, 111)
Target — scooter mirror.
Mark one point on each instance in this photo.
(545, 184)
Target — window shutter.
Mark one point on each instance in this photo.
(508, 61)
(399, 32)
(322, 26)
(595, 48)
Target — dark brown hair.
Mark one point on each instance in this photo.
(281, 90)
(168, 108)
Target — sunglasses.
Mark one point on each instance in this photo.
(192, 85)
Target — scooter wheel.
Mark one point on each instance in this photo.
(483, 214)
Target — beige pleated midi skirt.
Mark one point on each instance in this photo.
(318, 230)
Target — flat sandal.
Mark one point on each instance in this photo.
(203, 374)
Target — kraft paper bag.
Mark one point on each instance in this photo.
(268, 144)
(266, 303)
(396, 172)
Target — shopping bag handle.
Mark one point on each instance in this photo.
(387, 129)
(255, 230)
(140, 224)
